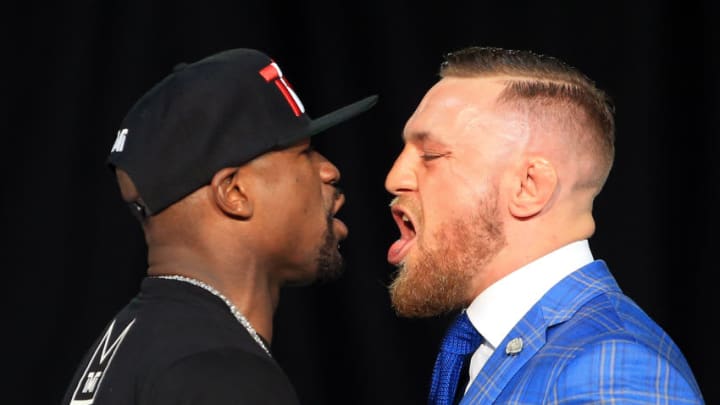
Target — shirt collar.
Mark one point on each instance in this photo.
(499, 308)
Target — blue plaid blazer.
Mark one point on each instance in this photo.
(586, 342)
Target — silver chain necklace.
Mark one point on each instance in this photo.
(239, 316)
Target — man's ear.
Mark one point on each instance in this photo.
(230, 192)
(536, 186)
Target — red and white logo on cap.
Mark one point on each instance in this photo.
(272, 73)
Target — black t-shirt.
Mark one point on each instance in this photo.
(176, 343)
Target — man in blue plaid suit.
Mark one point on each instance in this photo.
(494, 190)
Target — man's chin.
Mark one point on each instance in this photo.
(319, 275)
(420, 309)
(426, 291)
(330, 271)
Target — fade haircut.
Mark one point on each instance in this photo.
(546, 85)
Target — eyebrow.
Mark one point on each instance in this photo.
(416, 136)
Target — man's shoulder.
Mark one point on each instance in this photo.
(152, 340)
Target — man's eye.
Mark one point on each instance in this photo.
(428, 156)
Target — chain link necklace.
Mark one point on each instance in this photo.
(239, 316)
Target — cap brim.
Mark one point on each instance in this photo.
(334, 118)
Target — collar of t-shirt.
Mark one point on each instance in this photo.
(497, 309)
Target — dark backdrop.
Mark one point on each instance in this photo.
(73, 255)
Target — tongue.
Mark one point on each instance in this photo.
(395, 253)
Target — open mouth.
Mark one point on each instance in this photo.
(399, 249)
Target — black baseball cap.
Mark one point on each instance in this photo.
(221, 111)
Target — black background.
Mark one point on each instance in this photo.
(73, 255)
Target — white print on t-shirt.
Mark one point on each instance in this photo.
(95, 371)
(119, 143)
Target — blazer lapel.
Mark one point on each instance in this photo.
(556, 306)
(506, 360)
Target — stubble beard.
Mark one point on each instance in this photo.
(437, 280)
(329, 262)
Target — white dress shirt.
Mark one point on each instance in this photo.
(501, 306)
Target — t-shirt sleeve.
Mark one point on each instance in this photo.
(221, 377)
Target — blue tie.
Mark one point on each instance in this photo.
(460, 340)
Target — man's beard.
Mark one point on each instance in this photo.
(437, 281)
(329, 261)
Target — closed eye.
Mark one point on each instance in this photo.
(428, 156)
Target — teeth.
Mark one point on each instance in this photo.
(405, 218)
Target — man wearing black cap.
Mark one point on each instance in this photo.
(215, 160)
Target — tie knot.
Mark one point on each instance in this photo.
(462, 337)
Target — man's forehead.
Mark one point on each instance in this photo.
(453, 104)
(452, 91)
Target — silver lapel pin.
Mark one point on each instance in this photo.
(514, 346)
